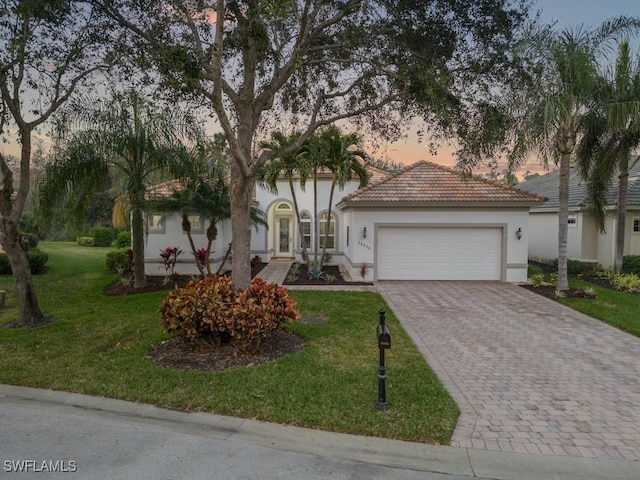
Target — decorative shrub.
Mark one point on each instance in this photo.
(626, 282)
(102, 236)
(170, 258)
(37, 262)
(5, 268)
(537, 279)
(577, 267)
(210, 308)
(631, 264)
(32, 238)
(85, 241)
(119, 260)
(123, 240)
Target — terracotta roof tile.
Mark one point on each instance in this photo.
(426, 182)
(165, 189)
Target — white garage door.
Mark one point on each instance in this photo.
(439, 253)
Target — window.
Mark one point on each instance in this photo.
(305, 228)
(283, 206)
(323, 229)
(156, 223)
(196, 224)
(636, 225)
(572, 221)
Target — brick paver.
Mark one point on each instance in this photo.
(529, 374)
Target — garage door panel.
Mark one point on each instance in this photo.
(439, 253)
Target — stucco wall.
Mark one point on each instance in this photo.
(363, 249)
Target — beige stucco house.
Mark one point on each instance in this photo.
(424, 222)
(584, 241)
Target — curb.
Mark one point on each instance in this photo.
(380, 451)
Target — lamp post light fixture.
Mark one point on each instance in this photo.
(519, 233)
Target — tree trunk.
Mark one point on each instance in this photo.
(240, 196)
(29, 313)
(186, 227)
(305, 255)
(315, 217)
(623, 185)
(328, 224)
(11, 208)
(563, 220)
(137, 245)
(212, 234)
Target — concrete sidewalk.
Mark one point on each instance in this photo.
(140, 438)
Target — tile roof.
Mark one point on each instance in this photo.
(547, 185)
(429, 183)
(166, 189)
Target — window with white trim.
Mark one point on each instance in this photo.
(305, 228)
(322, 228)
(636, 225)
(197, 226)
(155, 223)
(572, 221)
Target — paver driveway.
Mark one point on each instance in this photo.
(529, 374)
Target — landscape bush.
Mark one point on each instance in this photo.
(123, 240)
(119, 261)
(32, 238)
(209, 308)
(102, 236)
(85, 241)
(37, 262)
(631, 264)
(578, 267)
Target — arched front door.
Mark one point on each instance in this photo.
(284, 231)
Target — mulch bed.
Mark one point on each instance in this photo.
(549, 291)
(177, 353)
(156, 284)
(303, 277)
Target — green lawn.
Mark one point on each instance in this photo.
(97, 346)
(620, 309)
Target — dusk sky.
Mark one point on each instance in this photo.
(590, 13)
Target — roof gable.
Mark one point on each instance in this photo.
(429, 183)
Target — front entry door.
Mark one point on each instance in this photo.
(284, 247)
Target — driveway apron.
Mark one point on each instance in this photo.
(529, 374)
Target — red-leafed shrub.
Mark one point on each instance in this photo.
(211, 308)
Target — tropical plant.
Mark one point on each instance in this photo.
(553, 117)
(208, 199)
(613, 134)
(210, 309)
(344, 159)
(289, 164)
(123, 138)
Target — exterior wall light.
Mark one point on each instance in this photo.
(364, 232)
(519, 233)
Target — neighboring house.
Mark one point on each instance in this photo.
(423, 223)
(584, 241)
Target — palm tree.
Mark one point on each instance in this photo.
(122, 139)
(288, 165)
(553, 121)
(342, 158)
(208, 198)
(607, 145)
